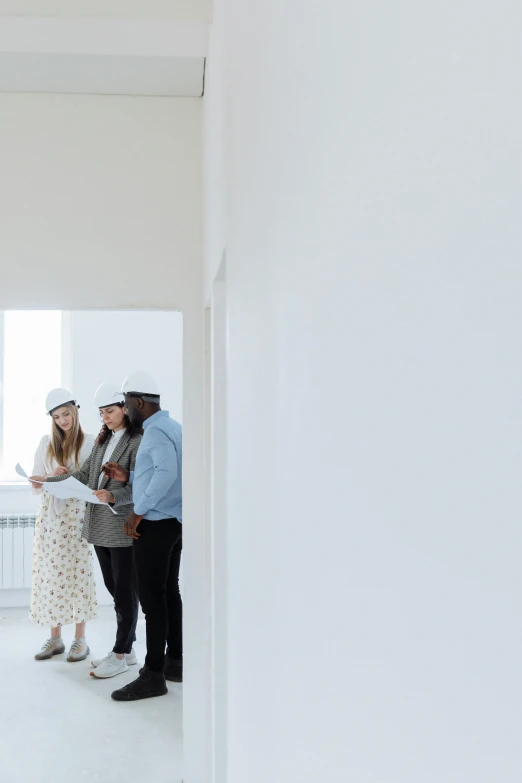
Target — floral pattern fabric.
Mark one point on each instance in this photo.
(63, 589)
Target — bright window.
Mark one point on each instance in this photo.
(31, 366)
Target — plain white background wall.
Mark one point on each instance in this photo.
(98, 192)
(106, 346)
(373, 284)
(17, 500)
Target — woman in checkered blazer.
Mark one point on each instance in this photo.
(118, 441)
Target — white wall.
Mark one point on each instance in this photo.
(97, 192)
(219, 533)
(373, 286)
(183, 10)
(16, 499)
(149, 340)
(214, 154)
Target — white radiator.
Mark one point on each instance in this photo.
(16, 550)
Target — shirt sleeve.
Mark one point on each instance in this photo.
(39, 465)
(131, 477)
(164, 458)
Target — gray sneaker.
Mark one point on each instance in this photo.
(79, 651)
(53, 646)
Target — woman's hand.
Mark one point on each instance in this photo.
(104, 496)
(116, 472)
(60, 471)
(37, 481)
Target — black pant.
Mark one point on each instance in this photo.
(117, 565)
(157, 556)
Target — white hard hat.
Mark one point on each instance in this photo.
(107, 394)
(57, 398)
(141, 384)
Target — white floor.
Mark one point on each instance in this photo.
(59, 725)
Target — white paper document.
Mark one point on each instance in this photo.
(68, 488)
(21, 472)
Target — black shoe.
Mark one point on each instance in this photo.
(148, 685)
(173, 669)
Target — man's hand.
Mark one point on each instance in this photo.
(61, 471)
(116, 472)
(37, 481)
(131, 524)
(104, 496)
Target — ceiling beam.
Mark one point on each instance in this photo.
(103, 37)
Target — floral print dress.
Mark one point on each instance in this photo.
(63, 588)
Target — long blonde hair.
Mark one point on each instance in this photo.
(63, 446)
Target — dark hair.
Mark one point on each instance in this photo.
(105, 432)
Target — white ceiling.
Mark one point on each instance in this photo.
(149, 57)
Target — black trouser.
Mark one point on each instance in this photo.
(157, 556)
(119, 575)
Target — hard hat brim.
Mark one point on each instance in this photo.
(62, 405)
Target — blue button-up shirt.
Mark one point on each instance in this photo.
(156, 480)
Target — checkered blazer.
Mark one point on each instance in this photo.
(101, 527)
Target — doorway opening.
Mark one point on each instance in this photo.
(77, 350)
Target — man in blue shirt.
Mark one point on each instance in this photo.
(155, 525)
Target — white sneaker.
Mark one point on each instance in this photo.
(129, 657)
(110, 667)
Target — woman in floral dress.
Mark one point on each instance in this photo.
(63, 589)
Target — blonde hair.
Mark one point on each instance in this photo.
(64, 446)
